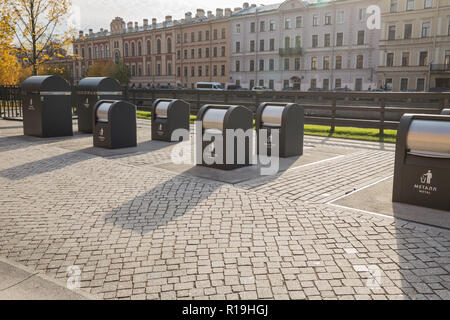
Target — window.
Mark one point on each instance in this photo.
(287, 42)
(261, 65)
(408, 31)
(262, 26)
(337, 83)
(326, 63)
(362, 14)
(313, 84)
(222, 51)
(192, 54)
(207, 35)
(102, 55)
(391, 33)
(297, 64)
(272, 45)
(361, 37)
(158, 69)
(423, 58)
(158, 46)
(185, 54)
(326, 84)
(338, 64)
(169, 69)
(192, 37)
(271, 84)
(199, 71)
(271, 64)
(390, 59)
(149, 48)
(238, 28)
(133, 70)
(252, 45)
(178, 72)
(340, 17)
(223, 33)
(96, 51)
(448, 28)
(327, 18)
(315, 41)
(261, 45)
(409, 5)
(358, 84)
(339, 39)
(215, 52)
(420, 84)
(287, 24)
(192, 72)
(261, 82)
(252, 83)
(313, 63)
(207, 52)
(298, 41)
(178, 38)
(286, 64)
(207, 71)
(252, 65)
(126, 51)
(403, 84)
(405, 59)
(426, 29)
(327, 40)
(394, 5)
(285, 83)
(238, 66)
(185, 38)
(215, 34)
(315, 20)
(185, 72)
(169, 45)
(200, 36)
(299, 22)
(238, 47)
(252, 27)
(271, 25)
(199, 54)
(178, 54)
(360, 62)
(428, 4)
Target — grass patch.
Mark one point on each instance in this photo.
(351, 133)
(324, 131)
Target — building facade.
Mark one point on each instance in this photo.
(415, 45)
(301, 45)
(175, 53)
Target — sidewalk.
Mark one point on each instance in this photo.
(19, 283)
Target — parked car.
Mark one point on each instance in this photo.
(209, 86)
(342, 89)
(234, 87)
(164, 87)
(439, 90)
(261, 88)
(316, 89)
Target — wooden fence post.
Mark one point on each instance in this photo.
(333, 115)
(382, 116)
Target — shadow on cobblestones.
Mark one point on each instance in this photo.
(165, 202)
(11, 143)
(43, 166)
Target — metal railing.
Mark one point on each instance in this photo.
(379, 110)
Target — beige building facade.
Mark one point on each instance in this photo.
(172, 52)
(415, 45)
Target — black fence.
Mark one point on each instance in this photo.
(380, 110)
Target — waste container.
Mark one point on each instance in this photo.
(114, 124)
(169, 115)
(445, 112)
(47, 110)
(216, 120)
(422, 161)
(89, 91)
(288, 119)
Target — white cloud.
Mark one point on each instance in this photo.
(98, 14)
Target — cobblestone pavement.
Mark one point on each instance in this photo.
(140, 232)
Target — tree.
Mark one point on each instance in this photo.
(35, 24)
(118, 71)
(9, 66)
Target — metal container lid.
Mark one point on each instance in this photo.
(101, 85)
(39, 84)
(214, 119)
(162, 108)
(429, 138)
(102, 112)
(272, 115)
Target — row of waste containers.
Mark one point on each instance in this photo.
(422, 161)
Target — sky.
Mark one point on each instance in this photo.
(98, 14)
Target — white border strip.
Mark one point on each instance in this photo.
(362, 211)
(317, 162)
(360, 189)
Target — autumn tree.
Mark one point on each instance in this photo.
(119, 71)
(9, 66)
(38, 29)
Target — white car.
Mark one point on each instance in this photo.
(209, 86)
